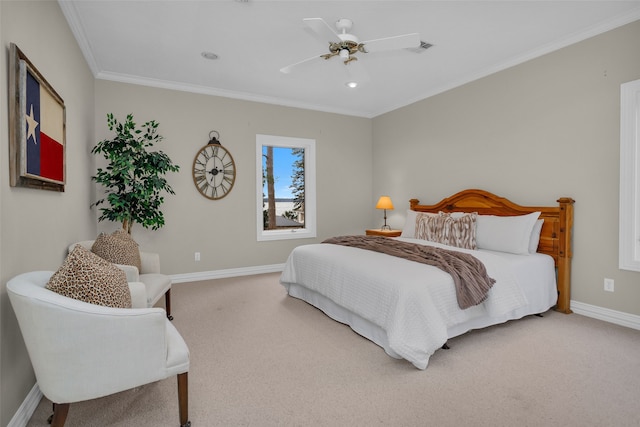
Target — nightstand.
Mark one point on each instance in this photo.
(387, 233)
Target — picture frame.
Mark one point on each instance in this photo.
(37, 128)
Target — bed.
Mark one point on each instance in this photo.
(409, 308)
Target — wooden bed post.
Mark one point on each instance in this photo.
(564, 255)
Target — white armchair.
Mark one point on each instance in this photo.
(155, 283)
(81, 351)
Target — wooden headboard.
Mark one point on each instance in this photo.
(555, 237)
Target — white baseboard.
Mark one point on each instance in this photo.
(612, 316)
(231, 272)
(28, 407)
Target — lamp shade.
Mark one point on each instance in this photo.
(384, 202)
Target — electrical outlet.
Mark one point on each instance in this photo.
(197, 256)
(608, 285)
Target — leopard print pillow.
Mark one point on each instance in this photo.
(118, 248)
(87, 277)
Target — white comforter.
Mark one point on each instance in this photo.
(414, 304)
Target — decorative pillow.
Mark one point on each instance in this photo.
(411, 225)
(444, 228)
(118, 248)
(505, 233)
(87, 277)
(535, 236)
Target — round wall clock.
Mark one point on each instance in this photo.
(214, 171)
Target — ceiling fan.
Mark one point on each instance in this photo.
(345, 45)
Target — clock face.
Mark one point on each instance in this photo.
(214, 171)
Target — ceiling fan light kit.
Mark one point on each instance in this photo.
(345, 45)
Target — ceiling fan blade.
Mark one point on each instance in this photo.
(289, 68)
(322, 29)
(390, 43)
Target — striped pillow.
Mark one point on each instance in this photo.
(443, 228)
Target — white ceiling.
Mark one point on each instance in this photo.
(159, 43)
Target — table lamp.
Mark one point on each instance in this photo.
(384, 202)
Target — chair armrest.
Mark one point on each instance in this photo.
(150, 262)
(138, 295)
(131, 271)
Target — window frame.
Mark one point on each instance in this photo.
(309, 230)
(629, 239)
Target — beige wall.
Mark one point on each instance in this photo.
(36, 225)
(532, 133)
(224, 231)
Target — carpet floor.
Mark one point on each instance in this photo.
(262, 358)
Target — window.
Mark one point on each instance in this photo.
(630, 176)
(285, 187)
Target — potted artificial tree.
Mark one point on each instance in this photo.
(134, 178)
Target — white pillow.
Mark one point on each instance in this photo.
(409, 229)
(535, 236)
(505, 233)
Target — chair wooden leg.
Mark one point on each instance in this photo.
(183, 399)
(60, 411)
(167, 304)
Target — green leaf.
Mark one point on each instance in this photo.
(134, 178)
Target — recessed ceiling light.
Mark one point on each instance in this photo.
(351, 85)
(209, 55)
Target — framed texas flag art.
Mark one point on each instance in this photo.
(37, 128)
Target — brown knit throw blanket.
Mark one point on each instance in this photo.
(469, 274)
